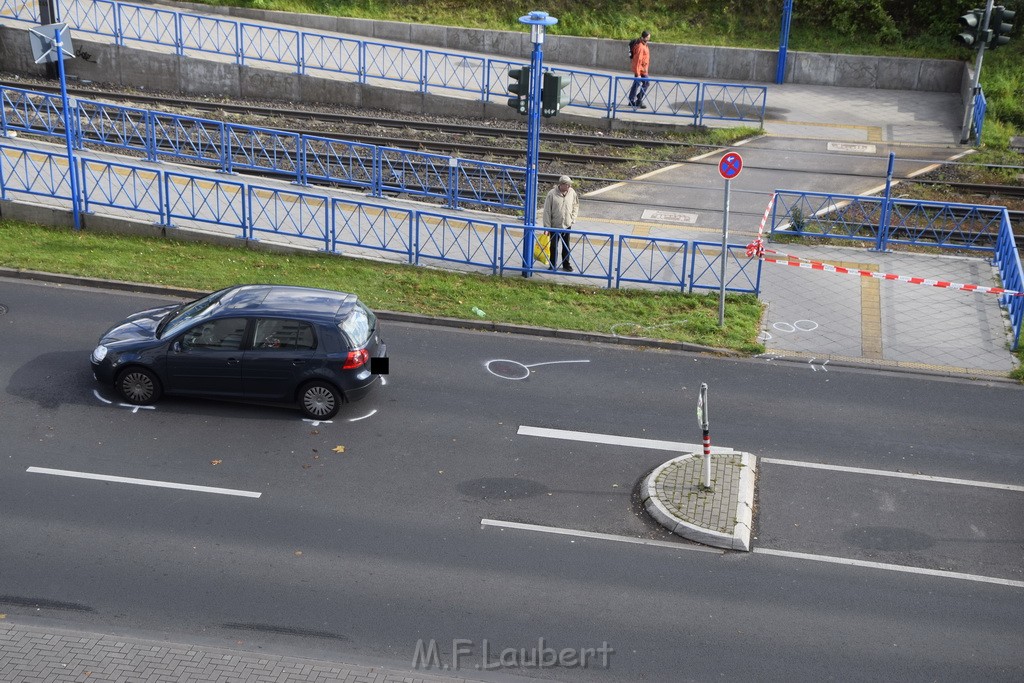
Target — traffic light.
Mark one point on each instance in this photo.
(552, 96)
(519, 85)
(972, 35)
(1001, 24)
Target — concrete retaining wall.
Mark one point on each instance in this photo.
(668, 60)
(196, 76)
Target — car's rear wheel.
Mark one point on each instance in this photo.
(320, 400)
(138, 386)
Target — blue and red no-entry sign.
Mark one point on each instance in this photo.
(730, 165)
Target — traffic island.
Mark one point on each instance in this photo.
(723, 516)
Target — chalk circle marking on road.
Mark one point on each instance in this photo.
(516, 371)
(134, 406)
(797, 326)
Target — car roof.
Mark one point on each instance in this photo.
(325, 305)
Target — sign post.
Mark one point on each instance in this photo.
(729, 167)
(50, 45)
(703, 420)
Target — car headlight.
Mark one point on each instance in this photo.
(99, 353)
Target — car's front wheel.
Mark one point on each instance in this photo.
(320, 400)
(138, 386)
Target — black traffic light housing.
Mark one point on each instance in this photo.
(552, 95)
(1000, 25)
(973, 35)
(519, 86)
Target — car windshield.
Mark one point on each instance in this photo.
(358, 326)
(181, 317)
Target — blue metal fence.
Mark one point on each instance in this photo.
(980, 105)
(234, 147)
(368, 60)
(1007, 262)
(883, 220)
(339, 225)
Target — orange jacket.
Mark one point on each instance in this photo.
(641, 58)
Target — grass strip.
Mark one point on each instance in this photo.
(673, 316)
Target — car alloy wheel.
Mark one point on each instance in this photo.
(320, 401)
(138, 386)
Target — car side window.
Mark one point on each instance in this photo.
(225, 334)
(288, 335)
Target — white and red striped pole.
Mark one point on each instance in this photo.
(703, 419)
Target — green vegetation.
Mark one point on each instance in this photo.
(899, 28)
(665, 315)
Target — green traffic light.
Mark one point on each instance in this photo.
(519, 85)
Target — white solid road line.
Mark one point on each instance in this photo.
(593, 534)
(904, 569)
(889, 567)
(897, 475)
(678, 447)
(144, 482)
(613, 440)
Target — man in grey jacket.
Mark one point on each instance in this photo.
(561, 207)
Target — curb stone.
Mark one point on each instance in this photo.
(702, 527)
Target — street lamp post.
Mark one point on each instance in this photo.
(538, 22)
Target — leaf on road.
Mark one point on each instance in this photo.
(338, 449)
(216, 462)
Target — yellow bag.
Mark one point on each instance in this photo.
(542, 247)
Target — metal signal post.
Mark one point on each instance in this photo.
(538, 21)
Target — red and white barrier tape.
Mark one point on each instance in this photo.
(757, 249)
(790, 260)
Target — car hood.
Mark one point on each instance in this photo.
(139, 326)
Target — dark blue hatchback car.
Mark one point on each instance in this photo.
(314, 348)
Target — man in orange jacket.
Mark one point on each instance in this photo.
(641, 62)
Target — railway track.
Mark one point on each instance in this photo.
(463, 139)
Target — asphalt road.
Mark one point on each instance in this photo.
(366, 536)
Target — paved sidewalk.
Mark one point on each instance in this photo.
(31, 654)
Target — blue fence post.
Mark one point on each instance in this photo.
(151, 149)
(300, 162)
(453, 183)
(882, 241)
(239, 48)
(179, 43)
(787, 15)
(698, 114)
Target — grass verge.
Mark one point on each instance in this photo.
(691, 318)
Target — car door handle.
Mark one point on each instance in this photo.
(233, 361)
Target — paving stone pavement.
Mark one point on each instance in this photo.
(722, 517)
(30, 654)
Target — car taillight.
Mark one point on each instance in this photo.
(356, 359)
